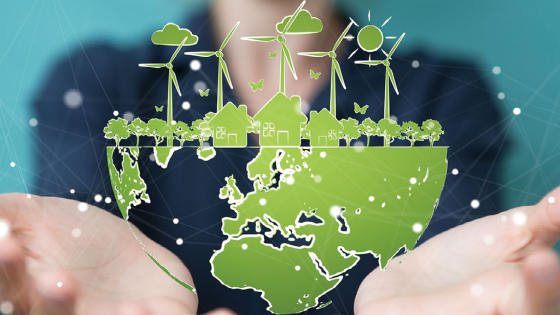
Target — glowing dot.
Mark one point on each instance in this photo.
(108, 200)
(517, 111)
(199, 85)
(115, 113)
(4, 229)
(76, 232)
(33, 122)
(413, 180)
(186, 105)
(415, 64)
(152, 157)
(394, 118)
(13, 164)
(175, 221)
(496, 70)
(358, 146)
(298, 268)
(520, 218)
(82, 207)
(323, 154)
(262, 202)
(290, 180)
(475, 204)
(7, 307)
(244, 246)
(72, 98)
(371, 198)
(501, 95)
(195, 65)
(488, 239)
(59, 284)
(551, 199)
(317, 178)
(477, 289)
(97, 198)
(417, 227)
(383, 205)
(179, 241)
(455, 171)
(128, 116)
(504, 218)
(335, 211)
(28, 196)
(173, 122)
(72, 191)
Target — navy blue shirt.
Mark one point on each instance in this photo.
(72, 147)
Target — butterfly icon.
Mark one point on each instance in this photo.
(272, 55)
(203, 93)
(159, 109)
(257, 86)
(314, 75)
(360, 110)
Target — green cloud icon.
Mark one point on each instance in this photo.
(304, 24)
(172, 35)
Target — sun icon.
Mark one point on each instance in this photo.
(370, 37)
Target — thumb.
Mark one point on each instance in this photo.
(541, 271)
(543, 220)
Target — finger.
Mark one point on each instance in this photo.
(14, 280)
(543, 220)
(542, 282)
(221, 311)
(57, 294)
(133, 309)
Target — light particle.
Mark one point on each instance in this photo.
(72, 98)
(195, 65)
(97, 198)
(33, 122)
(413, 180)
(517, 111)
(455, 171)
(417, 227)
(179, 241)
(475, 204)
(186, 105)
(76, 232)
(496, 70)
(262, 202)
(415, 64)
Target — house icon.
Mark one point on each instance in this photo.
(229, 126)
(323, 129)
(280, 122)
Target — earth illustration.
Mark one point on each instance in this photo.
(328, 205)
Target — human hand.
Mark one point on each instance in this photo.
(500, 264)
(103, 271)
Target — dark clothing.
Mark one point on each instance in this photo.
(72, 151)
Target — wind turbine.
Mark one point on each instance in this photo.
(388, 73)
(222, 67)
(335, 66)
(172, 80)
(284, 53)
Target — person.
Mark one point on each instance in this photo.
(101, 81)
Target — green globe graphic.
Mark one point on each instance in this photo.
(370, 38)
(329, 204)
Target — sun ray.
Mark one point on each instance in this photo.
(386, 21)
(352, 54)
(390, 37)
(369, 16)
(386, 54)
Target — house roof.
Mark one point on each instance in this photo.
(231, 114)
(323, 120)
(282, 108)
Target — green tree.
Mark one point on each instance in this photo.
(389, 129)
(412, 132)
(369, 128)
(138, 128)
(117, 129)
(201, 131)
(183, 132)
(350, 130)
(159, 130)
(432, 130)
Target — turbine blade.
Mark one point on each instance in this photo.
(293, 18)
(392, 77)
(289, 59)
(369, 62)
(264, 39)
(386, 21)
(313, 54)
(338, 72)
(178, 49)
(395, 46)
(229, 36)
(200, 53)
(152, 65)
(174, 77)
(226, 72)
(342, 35)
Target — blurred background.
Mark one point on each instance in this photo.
(517, 43)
